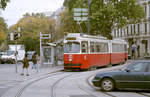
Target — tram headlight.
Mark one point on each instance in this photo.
(70, 59)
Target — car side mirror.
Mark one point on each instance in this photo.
(128, 70)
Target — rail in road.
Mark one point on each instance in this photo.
(66, 82)
(52, 90)
(19, 93)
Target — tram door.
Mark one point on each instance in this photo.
(85, 51)
(48, 55)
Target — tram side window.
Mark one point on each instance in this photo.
(97, 47)
(92, 48)
(118, 47)
(115, 47)
(84, 46)
(103, 47)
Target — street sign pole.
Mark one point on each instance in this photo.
(16, 69)
(88, 16)
(80, 27)
(40, 49)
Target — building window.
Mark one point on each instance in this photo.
(146, 10)
(124, 32)
(134, 30)
(145, 28)
(127, 30)
(138, 29)
(149, 27)
(149, 10)
(121, 32)
(115, 33)
(131, 29)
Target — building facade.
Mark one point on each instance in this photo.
(137, 33)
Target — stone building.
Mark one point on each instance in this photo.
(137, 33)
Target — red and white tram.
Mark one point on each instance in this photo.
(86, 52)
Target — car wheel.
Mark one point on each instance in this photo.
(107, 84)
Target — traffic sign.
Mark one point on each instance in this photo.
(84, 14)
(77, 18)
(77, 14)
(80, 10)
(84, 18)
(80, 18)
(80, 14)
(45, 36)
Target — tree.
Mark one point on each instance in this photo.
(3, 30)
(31, 25)
(105, 16)
(67, 24)
(3, 4)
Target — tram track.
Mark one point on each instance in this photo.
(91, 92)
(53, 94)
(22, 89)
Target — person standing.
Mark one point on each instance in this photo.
(34, 60)
(133, 50)
(25, 65)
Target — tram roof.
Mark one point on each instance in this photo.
(80, 36)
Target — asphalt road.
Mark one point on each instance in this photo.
(66, 84)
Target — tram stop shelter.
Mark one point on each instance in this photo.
(51, 54)
(48, 54)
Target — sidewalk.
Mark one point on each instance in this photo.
(8, 72)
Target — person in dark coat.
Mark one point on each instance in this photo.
(25, 65)
(34, 60)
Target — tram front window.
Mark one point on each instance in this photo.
(72, 47)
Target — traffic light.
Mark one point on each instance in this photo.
(15, 36)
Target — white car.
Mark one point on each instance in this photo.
(8, 57)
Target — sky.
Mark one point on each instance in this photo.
(17, 8)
